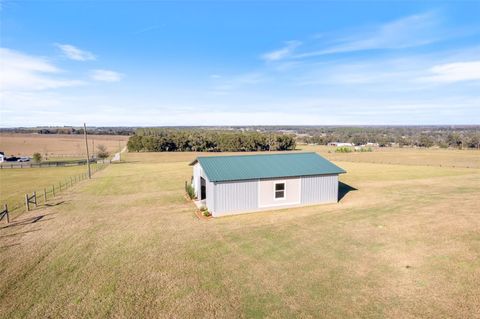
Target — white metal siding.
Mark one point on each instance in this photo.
(235, 197)
(197, 173)
(210, 200)
(266, 194)
(229, 198)
(319, 189)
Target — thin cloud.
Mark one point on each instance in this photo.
(411, 31)
(227, 85)
(147, 29)
(454, 72)
(23, 72)
(106, 75)
(282, 53)
(75, 53)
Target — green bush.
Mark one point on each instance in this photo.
(364, 149)
(190, 191)
(37, 157)
(343, 149)
(206, 213)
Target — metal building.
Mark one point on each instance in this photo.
(229, 185)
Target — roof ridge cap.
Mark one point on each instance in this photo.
(261, 154)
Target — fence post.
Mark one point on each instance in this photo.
(6, 212)
(35, 198)
(53, 190)
(45, 195)
(27, 206)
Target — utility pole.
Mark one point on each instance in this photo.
(86, 144)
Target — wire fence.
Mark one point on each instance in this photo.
(10, 165)
(41, 197)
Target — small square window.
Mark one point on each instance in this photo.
(280, 190)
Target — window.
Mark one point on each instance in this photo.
(279, 190)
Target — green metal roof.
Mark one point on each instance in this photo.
(242, 167)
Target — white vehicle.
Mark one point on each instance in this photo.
(24, 159)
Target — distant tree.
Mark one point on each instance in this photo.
(454, 140)
(359, 139)
(425, 141)
(474, 141)
(37, 157)
(102, 152)
(197, 140)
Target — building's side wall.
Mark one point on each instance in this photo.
(235, 197)
(210, 187)
(197, 173)
(319, 189)
(266, 192)
(230, 198)
(210, 200)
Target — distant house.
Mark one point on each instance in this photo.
(2, 157)
(339, 144)
(229, 185)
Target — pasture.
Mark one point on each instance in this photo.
(16, 182)
(57, 146)
(402, 242)
(404, 156)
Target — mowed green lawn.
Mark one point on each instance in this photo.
(405, 244)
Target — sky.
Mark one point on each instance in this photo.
(155, 63)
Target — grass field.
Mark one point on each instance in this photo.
(16, 182)
(403, 156)
(404, 244)
(57, 144)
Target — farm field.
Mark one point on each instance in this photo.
(404, 241)
(56, 145)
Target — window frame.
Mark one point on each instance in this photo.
(275, 190)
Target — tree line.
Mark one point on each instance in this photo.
(444, 137)
(180, 140)
(70, 130)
